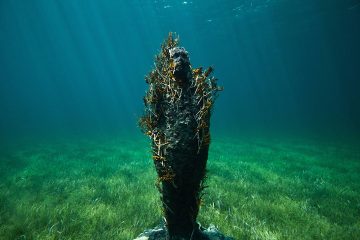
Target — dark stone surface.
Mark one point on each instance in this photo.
(185, 159)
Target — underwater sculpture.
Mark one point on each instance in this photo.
(178, 104)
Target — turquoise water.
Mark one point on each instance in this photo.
(78, 66)
(287, 123)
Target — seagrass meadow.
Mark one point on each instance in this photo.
(104, 188)
(109, 107)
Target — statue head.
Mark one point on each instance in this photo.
(181, 63)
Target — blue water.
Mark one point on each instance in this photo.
(78, 67)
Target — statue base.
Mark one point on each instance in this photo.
(160, 233)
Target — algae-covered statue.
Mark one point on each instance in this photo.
(178, 105)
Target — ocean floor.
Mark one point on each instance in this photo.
(104, 188)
